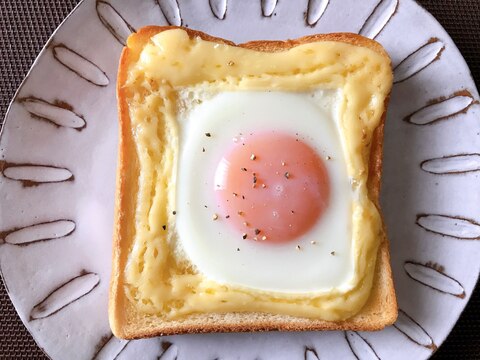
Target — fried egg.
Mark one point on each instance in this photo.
(263, 198)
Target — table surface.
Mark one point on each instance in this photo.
(26, 25)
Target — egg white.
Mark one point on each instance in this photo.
(214, 247)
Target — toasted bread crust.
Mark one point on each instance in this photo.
(379, 311)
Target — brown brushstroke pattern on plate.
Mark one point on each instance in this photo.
(6, 233)
(4, 165)
(109, 22)
(375, 16)
(57, 104)
(440, 100)
(365, 345)
(419, 68)
(436, 274)
(168, 350)
(268, 7)
(50, 301)
(103, 345)
(218, 8)
(81, 67)
(315, 11)
(448, 218)
(3, 279)
(414, 324)
(171, 11)
(474, 157)
(310, 353)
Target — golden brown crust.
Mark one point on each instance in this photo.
(116, 303)
(379, 311)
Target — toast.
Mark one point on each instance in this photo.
(128, 322)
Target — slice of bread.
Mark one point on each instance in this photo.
(128, 322)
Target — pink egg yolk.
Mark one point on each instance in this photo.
(271, 187)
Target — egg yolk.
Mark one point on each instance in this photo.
(271, 187)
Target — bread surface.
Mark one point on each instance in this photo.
(126, 322)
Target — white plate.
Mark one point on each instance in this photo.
(58, 153)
